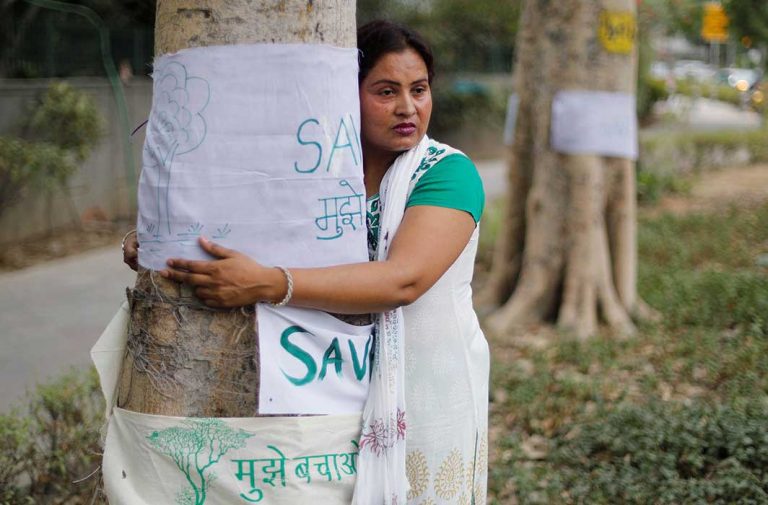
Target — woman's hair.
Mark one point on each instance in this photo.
(380, 37)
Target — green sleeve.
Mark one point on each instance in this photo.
(452, 182)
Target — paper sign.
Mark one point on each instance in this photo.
(617, 31)
(594, 122)
(311, 363)
(509, 124)
(256, 147)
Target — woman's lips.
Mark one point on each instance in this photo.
(405, 129)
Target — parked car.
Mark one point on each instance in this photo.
(743, 79)
(758, 95)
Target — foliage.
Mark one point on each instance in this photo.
(667, 453)
(682, 153)
(704, 271)
(651, 186)
(465, 35)
(748, 18)
(48, 447)
(67, 118)
(24, 164)
(676, 414)
(461, 103)
(62, 129)
(722, 92)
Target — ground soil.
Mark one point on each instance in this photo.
(60, 244)
(743, 186)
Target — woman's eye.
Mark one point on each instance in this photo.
(420, 90)
(387, 92)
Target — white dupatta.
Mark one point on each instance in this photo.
(381, 477)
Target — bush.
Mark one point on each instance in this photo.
(67, 118)
(651, 186)
(53, 443)
(666, 453)
(60, 132)
(25, 164)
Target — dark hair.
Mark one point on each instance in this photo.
(380, 37)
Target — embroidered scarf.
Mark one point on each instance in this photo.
(381, 477)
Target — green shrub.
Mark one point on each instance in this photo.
(60, 132)
(67, 118)
(27, 164)
(53, 443)
(651, 186)
(665, 453)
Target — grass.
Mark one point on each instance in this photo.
(606, 421)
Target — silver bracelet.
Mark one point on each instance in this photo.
(125, 237)
(289, 293)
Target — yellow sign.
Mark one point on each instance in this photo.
(714, 27)
(617, 31)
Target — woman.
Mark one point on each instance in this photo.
(425, 244)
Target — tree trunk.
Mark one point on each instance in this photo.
(567, 250)
(185, 359)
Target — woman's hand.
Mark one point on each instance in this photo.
(131, 250)
(231, 280)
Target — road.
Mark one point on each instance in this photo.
(51, 314)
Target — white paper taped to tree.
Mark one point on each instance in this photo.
(256, 147)
(311, 363)
(513, 104)
(595, 122)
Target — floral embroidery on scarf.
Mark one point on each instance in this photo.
(377, 437)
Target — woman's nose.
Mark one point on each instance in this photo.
(405, 105)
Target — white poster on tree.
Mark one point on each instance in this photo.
(255, 147)
(594, 122)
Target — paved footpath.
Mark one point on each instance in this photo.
(51, 314)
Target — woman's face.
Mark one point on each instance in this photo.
(395, 103)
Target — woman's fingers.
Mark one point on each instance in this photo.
(191, 278)
(215, 249)
(198, 267)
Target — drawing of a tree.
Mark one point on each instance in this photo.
(194, 447)
(177, 125)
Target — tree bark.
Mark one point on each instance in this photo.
(184, 359)
(567, 251)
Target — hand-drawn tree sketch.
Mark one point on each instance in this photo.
(184, 359)
(567, 249)
(178, 126)
(195, 447)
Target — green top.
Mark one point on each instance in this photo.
(452, 182)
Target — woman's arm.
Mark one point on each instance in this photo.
(427, 243)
